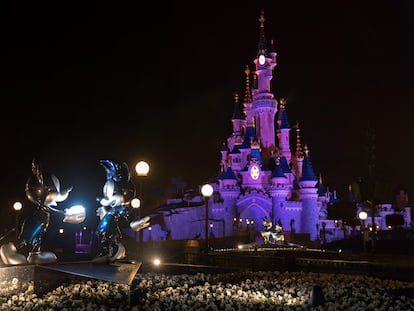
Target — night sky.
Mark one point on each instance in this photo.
(90, 81)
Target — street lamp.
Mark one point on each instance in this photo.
(206, 191)
(136, 204)
(363, 215)
(324, 232)
(149, 231)
(17, 206)
(142, 168)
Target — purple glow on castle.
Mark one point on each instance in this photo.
(261, 174)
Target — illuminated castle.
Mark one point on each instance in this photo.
(261, 174)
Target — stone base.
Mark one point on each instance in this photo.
(48, 277)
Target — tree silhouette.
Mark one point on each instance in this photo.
(345, 211)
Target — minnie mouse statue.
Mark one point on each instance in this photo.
(118, 191)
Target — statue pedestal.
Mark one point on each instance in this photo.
(48, 277)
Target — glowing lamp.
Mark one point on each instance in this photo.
(207, 190)
(136, 203)
(363, 215)
(142, 168)
(17, 206)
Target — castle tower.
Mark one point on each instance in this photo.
(264, 106)
(309, 196)
(279, 191)
(229, 191)
(283, 131)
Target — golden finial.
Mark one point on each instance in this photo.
(247, 70)
(236, 97)
(255, 145)
(262, 19)
(306, 150)
(296, 126)
(282, 104)
(320, 178)
(277, 161)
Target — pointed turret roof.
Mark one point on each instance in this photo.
(237, 114)
(228, 174)
(307, 170)
(248, 136)
(224, 147)
(262, 47)
(321, 187)
(278, 172)
(284, 165)
(255, 151)
(282, 120)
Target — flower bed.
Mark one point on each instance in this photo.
(228, 291)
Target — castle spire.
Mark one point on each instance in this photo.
(247, 94)
(236, 112)
(238, 122)
(299, 153)
(306, 150)
(262, 48)
(248, 100)
(264, 105)
(308, 174)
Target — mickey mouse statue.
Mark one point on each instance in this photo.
(118, 191)
(44, 191)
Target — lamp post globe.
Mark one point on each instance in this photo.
(17, 206)
(363, 215)
(142, 168)
(207, 190)
(136, 203)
